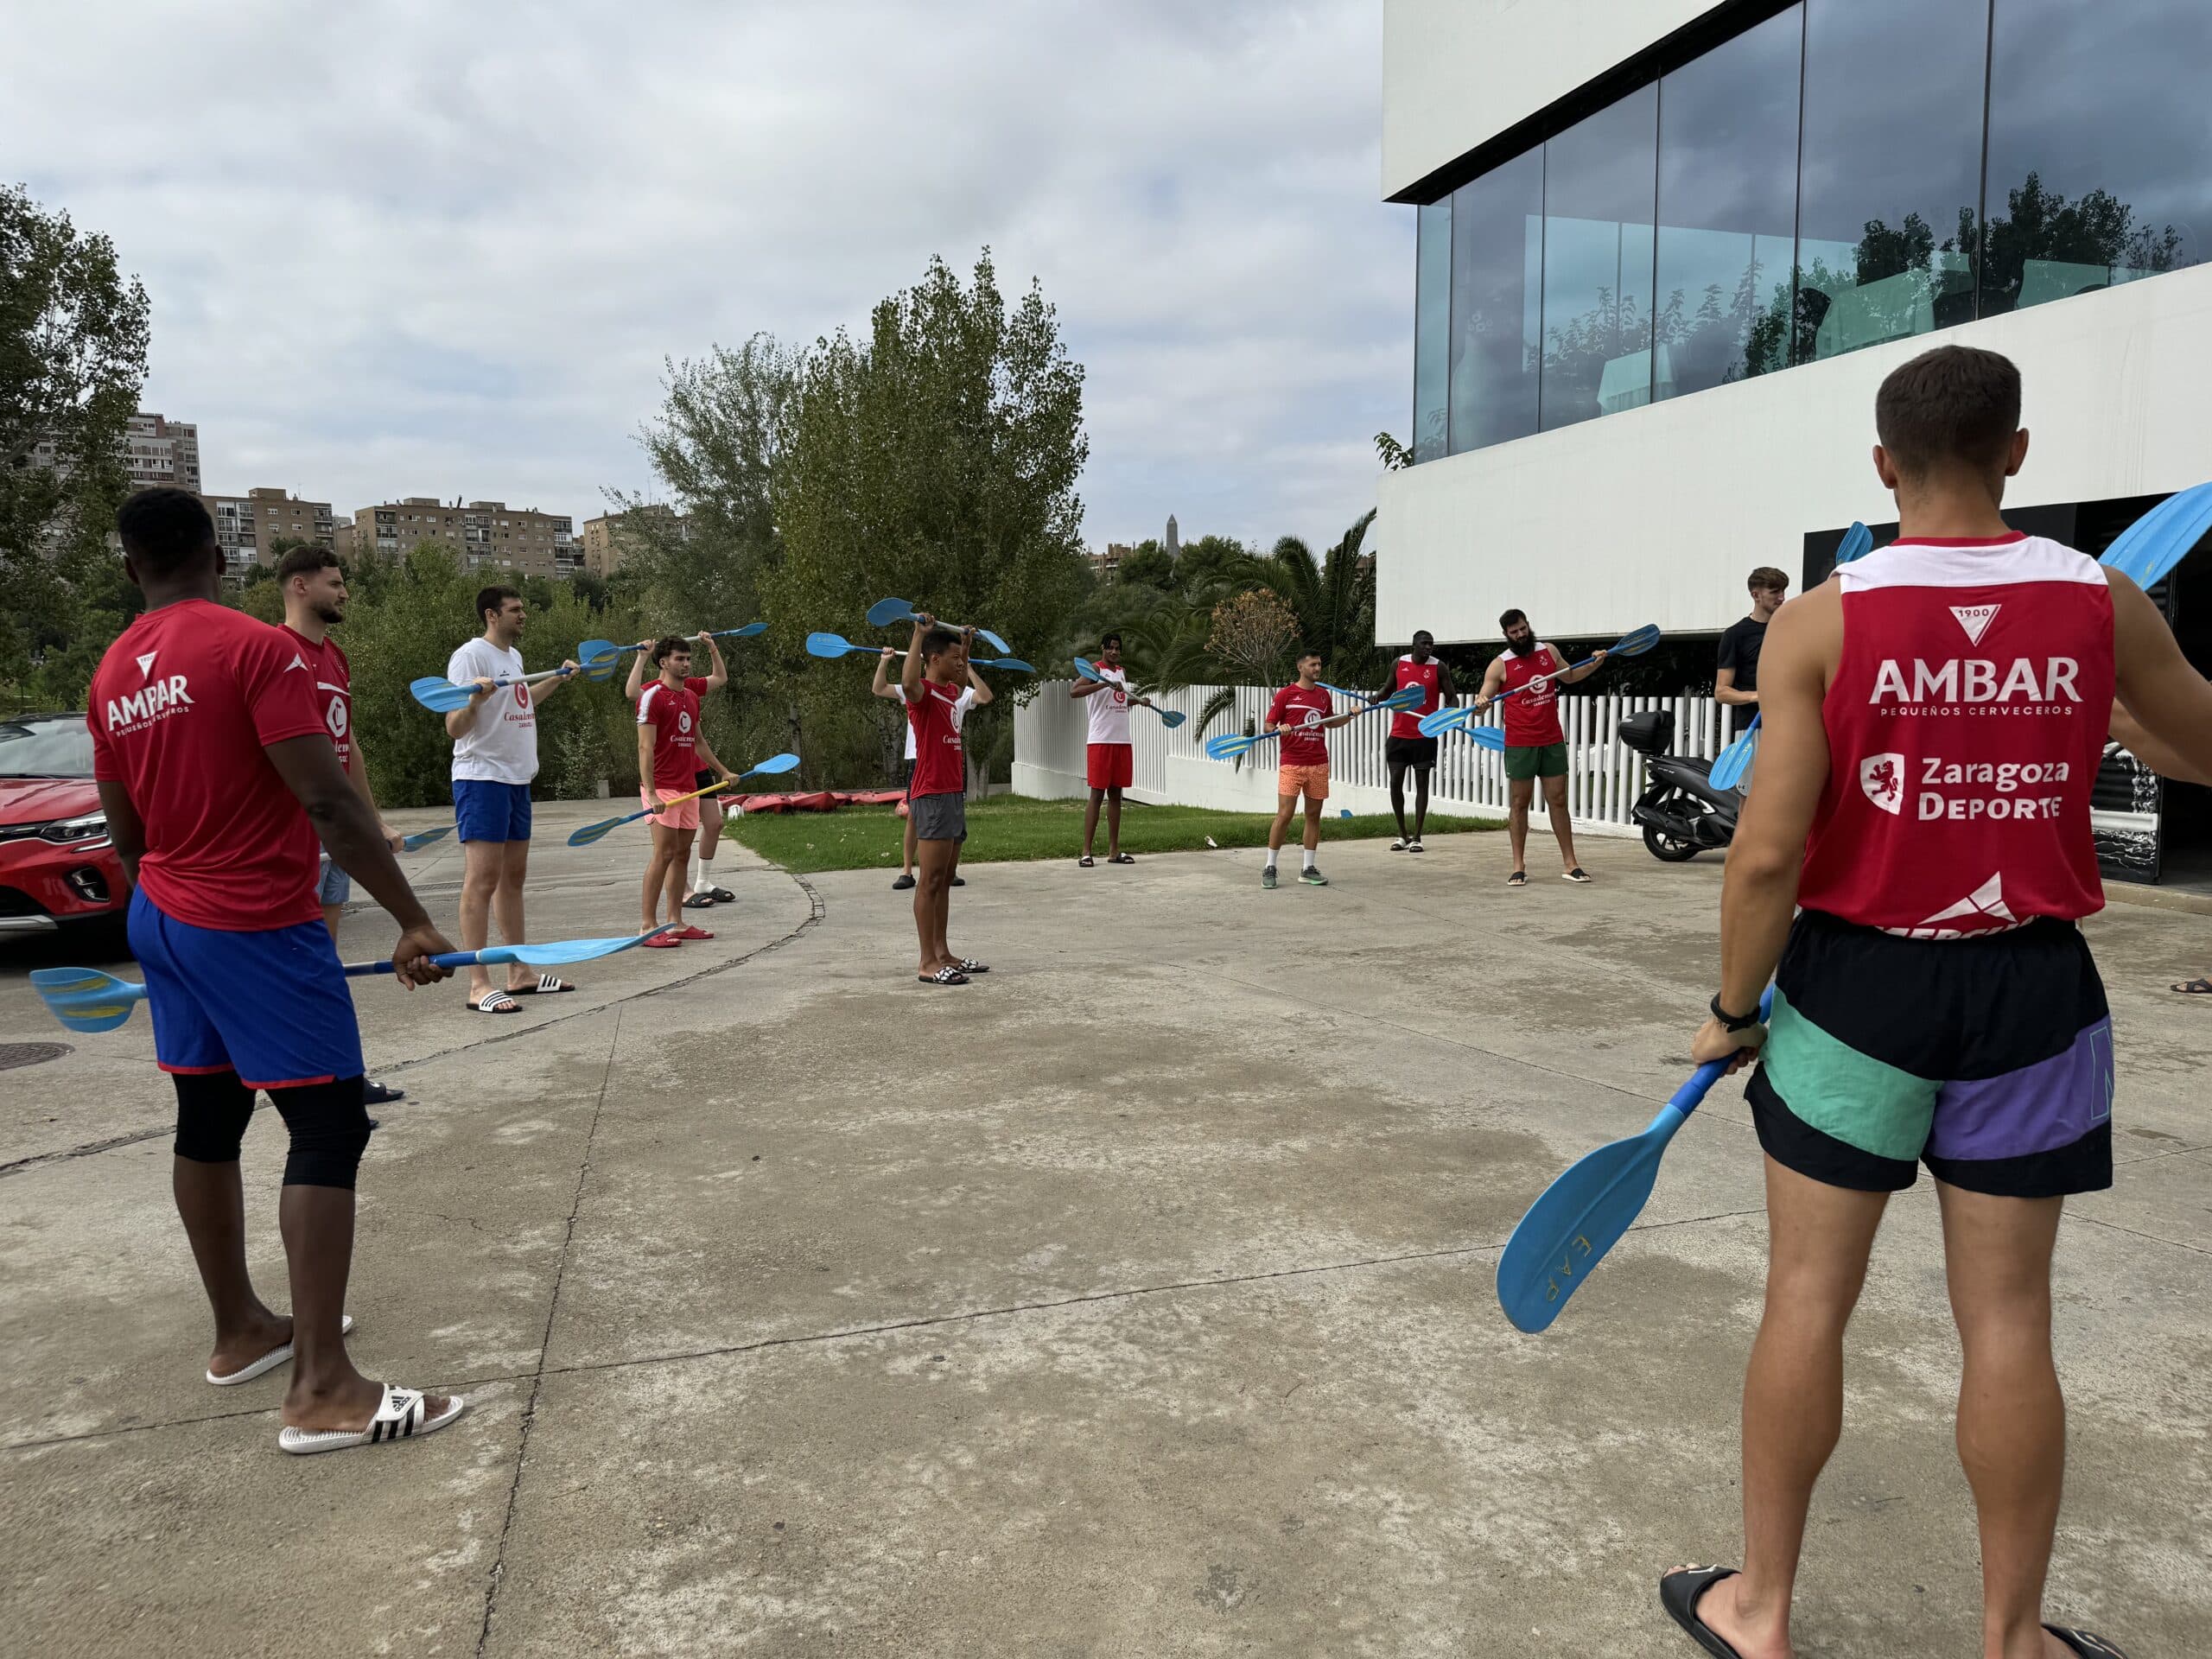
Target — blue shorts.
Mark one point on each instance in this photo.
(483, 810)
(272, 1007)
(333, 886)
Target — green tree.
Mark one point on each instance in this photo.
(935, 460)
(73, 356)
(1334, 601)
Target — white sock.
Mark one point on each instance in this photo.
(1271, 858)
(1308, 851)
(705, 879)
(691, 870)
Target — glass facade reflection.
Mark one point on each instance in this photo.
(1841, 174)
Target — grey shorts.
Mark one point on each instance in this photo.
(333, 886)
(939, 817)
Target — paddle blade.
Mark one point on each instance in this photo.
(423, 838)
(439, 695)
(1487, 737)
(1084, 670)
(751, 630)
(2149, 549)
(591, 833)
(1735, 760)
(830, 645)
(600, 652)
(1171, 718)
(84, 999)
(1227, 746)
(1858, 542)
(1580, 1216)
(1011, 664)
(560, 952)
(1635, 644)
(1438, 721)
(774, 763)
(884, 611)
(994, 641)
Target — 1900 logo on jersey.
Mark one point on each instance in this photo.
(1882, 776)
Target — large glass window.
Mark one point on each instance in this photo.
(1598, 189)
(1497, 261)
(1889, 180)
(1727, 209)
(2099, 153)
(1432, 331)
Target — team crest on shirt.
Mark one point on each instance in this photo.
(684, 723)
(1882, 776)
(1975, 620)
(336, 718)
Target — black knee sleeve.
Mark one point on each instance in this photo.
(330, 1131)
(211, 1112)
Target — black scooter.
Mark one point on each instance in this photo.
(1682, 813)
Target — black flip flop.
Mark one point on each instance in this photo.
(2193, 987)
(1085, 862)
(1679, 1593)
(1120, 858)
(2087, 1643)
(946, 975)
(1518, 879)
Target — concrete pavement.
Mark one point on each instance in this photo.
(1134, 1300)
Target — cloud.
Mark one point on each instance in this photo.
(414, 248)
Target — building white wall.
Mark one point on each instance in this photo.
(1656, 515)
(1458, 73)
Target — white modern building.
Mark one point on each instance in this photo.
(1668, 250)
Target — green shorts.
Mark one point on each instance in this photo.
(1536, 760)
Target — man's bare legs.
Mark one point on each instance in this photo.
(1285, 806)
(1313, 840)
(1112, 797)
(906, 854)
(1519, 793)
(211, 1202)
(934, 863)
(1818, 1240)
(325, 1391)
(2012, 1415)
(1562, 827)
(506, 905)
(482, 863)
(1090, 820)
(664, 868)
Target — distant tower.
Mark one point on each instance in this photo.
(1175, 545)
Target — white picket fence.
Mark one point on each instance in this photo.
(1605, 776)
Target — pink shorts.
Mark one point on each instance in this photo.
(1311, 781)
(684, 815)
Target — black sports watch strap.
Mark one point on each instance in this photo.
(1733, 1021)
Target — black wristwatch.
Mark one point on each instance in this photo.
(1733, 1021)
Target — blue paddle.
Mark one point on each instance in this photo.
(1230, 745)
(84, 999)
(595, 832)
(1735, 762)
(442, 696)
(884, 611)
(1171, 718)
(423, 838)
(600, 657)
(832, 645)
(1583, 1214)
(1438, 721)
(2148, 549)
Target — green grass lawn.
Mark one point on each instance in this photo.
(1010, 827)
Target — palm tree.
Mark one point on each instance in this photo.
(1334, 600)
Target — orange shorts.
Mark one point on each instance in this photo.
(1314, 781)
(684, 815)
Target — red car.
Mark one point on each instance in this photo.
(56, 863)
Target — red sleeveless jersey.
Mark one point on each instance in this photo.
(1532, 717)
(1965, 728)
(1407, 723)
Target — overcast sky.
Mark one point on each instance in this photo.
(418, 248)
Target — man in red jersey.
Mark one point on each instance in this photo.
(1934, 718)
(1406, 747)
(700, 891)
(1528, 675)
(1302, 711)
(313, 586)
(217, 774)
(936, 794)
(671, 752)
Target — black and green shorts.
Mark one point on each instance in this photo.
(1989, 1059)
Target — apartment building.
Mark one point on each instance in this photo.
(608, 538)
(248, 526)
(490, 535)
(157, 450)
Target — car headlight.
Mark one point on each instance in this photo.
(69, 831)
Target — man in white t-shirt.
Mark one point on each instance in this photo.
(974, 696)
(1109, 759)
(494, 758)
